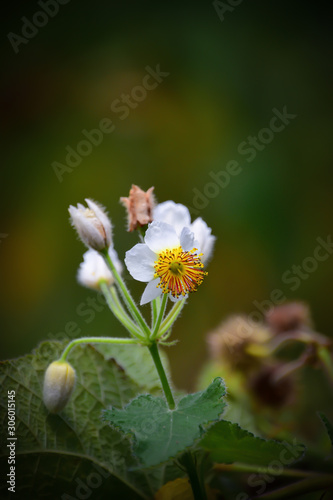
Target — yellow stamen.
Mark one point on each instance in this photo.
(180, 272)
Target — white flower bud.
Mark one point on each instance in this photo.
(59, 383)
(93, 269)
(92, 224)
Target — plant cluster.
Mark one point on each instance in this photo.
(109, 423)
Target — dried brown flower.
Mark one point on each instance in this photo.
(139, 206)
(269, 391)
(238, 342)
(288, 317)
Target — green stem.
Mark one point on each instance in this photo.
(197, 485)
(304, 336)
(153, 349)
(127, 297)
(159, 317)
(171, 317)
(295, 490)
(116, 299)
(326, 359)
(154, 310)
(141, 232)
(262, 470)
(117, 309)
(95, 340)
(288, 368)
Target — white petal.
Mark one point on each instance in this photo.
(93, 269)
(160, 236)
(187, 240)
(175, 214)
(101, 214)
(151, 292)
(98, 210)
(203, 234)
(92, 225)
(86, 227)
(177, 299)
(140, 262)
(72, 210)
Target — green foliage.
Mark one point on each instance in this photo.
(160, 433)
(138, 364)
(77, 454)
(328, 425)
(68, 454)
(228, 443)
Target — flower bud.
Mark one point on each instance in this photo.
(93, 269)
(92, 225)
(59, 383)
(139, 207)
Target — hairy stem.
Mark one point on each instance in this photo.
(159, 316)
(297, 490)
(118, 310)
(137, 316)
(153, 349)
(197, 482)
(95, 340)
(326, 359)
(262, 470)
(171, 317)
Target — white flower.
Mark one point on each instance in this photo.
(169, 262)
(93, 269)
(92, 224)
(179, 217)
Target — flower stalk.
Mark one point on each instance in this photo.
(159, 317)
(326, 360)
(95, 340)
(149, 338)
(188, 462)
(118, 310)
(155, 305)
(153, 349)
(171, 317)
(126, 295)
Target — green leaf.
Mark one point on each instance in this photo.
(160, 433)
(228, 443)
(69, 454)
(328, 424)
(138, 364)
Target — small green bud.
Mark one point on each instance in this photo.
(59, 383)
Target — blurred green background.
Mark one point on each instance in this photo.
(225, 79)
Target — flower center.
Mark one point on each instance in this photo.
(180, 272)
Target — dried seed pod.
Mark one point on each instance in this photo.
(269, 391)
(239, 342)
(139, 206)
(289, 317)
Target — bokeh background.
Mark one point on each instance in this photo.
(225, 77)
